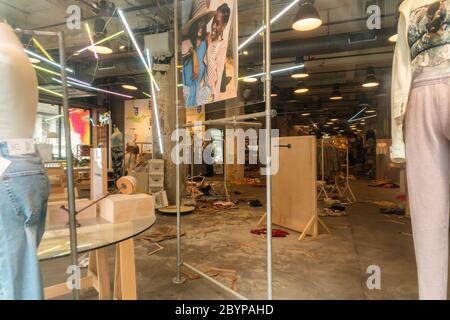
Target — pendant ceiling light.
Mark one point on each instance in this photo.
(301, 73)
(131, 87)
(336, 93)
(301, 88)
(307, 17)
(101, 49)
(371, 80)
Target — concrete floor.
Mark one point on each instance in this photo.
(332, 267)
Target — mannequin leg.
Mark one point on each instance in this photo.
(428, 168)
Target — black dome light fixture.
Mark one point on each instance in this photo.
(300, 73)
(301, 88)
(371, 80)
(336, 93)
(307, 17)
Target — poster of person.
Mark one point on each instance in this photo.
(138, 123)
(209, 51)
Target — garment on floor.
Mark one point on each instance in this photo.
(394, 211)
(427, 132)
(326, 212)
(255, 203)
(338, 208)
(276, 233)
(24, 189)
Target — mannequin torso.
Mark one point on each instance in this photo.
(117, 138)
(428, 36)
(18, 88)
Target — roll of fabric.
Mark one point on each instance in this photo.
(127, 185)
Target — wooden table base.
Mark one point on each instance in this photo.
(98, 275)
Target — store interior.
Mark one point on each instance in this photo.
(339, 204)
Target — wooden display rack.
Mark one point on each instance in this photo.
(294, 203)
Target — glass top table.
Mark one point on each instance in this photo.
(93, 234)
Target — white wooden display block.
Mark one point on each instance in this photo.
(57, 215)
(156, 166)
(156, 180)
(123, 207)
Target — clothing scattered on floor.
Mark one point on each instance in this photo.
(255, 203)
(338, 208)
(331, 213)
(393, 211)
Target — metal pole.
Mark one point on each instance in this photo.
(178, 279)
(230, 120)
(268, 91)
(206, 277)
(70, 182)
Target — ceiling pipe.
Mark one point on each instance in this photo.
(148, 6)
(322, 45)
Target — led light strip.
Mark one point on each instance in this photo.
(273, 72)
(40, 47)
(368, 117)
(274, 19)
(37, 56)
(51, 92)
(91, 40)
(136, 45)
(59, 75)
(78, 83)
(102, 41)
(155, 105)
(349, 120)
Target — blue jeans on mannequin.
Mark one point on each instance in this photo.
(24, 190)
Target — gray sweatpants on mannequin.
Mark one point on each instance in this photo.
(427, 135)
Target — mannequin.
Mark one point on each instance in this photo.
(117, 152)
(421, 133)
(24, 184)
(21, 117)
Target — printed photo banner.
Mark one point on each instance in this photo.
(209, 51)
(138, 122)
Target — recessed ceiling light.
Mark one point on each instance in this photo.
(371, 111)
(274, 95)
(122, 47)
(129, 87)
(330, 123)
(307, 114)
(245, 52)
(336, 128)
(335, 119)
